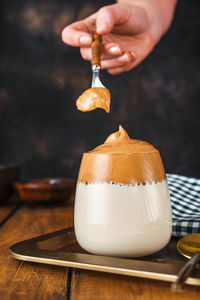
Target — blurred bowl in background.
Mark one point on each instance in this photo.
(8, 175)
(45, 190)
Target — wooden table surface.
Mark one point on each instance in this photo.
(24, 280)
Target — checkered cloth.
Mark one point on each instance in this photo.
(185, 201)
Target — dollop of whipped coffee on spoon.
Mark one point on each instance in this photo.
(96, 97)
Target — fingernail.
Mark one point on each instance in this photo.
(124, 58)
(85, 40)
(133, 55)
(114, 50)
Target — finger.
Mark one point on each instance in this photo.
(86, 53)
(108, 61)
(118, 70)
(142, 46)
(118, 62)
(109, 51)
(112, 49)
(111, 15)
(77, 34)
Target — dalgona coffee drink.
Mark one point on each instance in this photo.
(122, 205)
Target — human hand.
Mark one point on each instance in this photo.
(129, 32)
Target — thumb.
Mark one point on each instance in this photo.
(111, 15)
(77, 35)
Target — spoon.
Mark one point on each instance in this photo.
(188, 246)
(98, 96)
(96, 54)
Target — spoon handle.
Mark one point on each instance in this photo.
(96, 46)
(185, 272)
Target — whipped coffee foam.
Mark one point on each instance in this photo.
(122, 159)
(122, 220)
(95, 97)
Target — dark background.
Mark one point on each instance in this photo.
(40, 127)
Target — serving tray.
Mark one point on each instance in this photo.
(61, 248)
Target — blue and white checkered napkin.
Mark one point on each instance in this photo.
(185, 202)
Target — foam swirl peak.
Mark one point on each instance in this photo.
(117, 137)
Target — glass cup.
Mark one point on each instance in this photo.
(122, 204)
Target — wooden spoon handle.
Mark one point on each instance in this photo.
(96, 46)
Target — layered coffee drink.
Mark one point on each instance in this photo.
(122, 205)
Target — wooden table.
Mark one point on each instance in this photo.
(23, 280)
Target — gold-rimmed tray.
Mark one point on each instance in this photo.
(61, 248)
